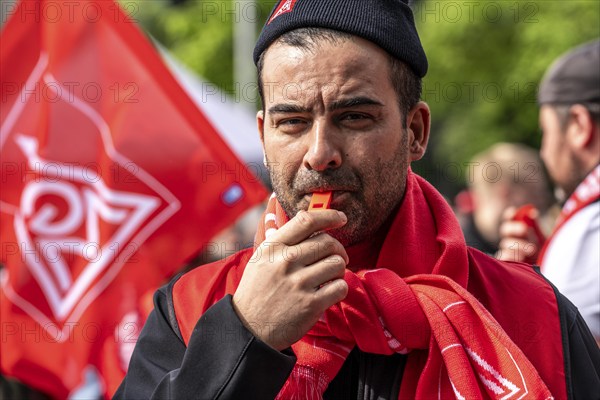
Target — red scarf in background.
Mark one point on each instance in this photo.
(469, 354)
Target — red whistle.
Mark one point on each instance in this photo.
(523, 215)
(320, 201)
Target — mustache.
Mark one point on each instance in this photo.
(337, 179)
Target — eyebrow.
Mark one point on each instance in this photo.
(354, 102)
(287, 108)
(336, 105)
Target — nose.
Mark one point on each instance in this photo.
(324, 148)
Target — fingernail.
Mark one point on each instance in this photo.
(342, 216)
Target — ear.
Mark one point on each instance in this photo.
(260, 124)
(580, 130)
(418, 122)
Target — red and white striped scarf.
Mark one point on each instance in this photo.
(456, 348)
(587, 192)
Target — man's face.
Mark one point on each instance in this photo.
(332, 122)
(556, 152)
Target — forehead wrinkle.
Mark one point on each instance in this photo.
(302, 78)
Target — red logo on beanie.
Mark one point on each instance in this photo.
(285, 6)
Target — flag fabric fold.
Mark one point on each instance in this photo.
(111, 179)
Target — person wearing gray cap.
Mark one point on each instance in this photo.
(360, 284)
(569, 99)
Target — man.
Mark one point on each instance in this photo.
(503, 175)
(569, 97)
(378, 297)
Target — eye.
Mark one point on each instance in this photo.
(356, 120)
(291, 122)
(291, 125)
(353, 116)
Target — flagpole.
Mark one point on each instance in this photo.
(244, 36)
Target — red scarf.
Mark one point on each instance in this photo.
(468, 353)
(587, 192)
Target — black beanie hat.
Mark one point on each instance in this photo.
(387, 23)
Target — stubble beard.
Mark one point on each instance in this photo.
(566, 186)
(377, 190)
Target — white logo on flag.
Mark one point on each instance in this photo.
(52, 238)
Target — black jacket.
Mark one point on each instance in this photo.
(225, 361)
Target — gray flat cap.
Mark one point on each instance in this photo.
(574, 77)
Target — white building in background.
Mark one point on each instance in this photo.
(233, 118)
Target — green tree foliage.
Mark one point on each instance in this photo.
(200, 32)
(486, 60)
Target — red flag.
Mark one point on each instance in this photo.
(111, 179)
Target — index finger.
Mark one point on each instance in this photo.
(513, 229)
(305, 224)
(509, 213)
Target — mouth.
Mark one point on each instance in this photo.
(338, 196)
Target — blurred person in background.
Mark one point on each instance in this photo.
(504, 175)
(569, 99)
